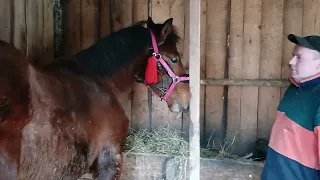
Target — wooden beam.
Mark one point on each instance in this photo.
(246, 82)
(194, 54)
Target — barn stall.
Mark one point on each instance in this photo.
(244, 58)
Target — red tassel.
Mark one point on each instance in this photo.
(151, 75)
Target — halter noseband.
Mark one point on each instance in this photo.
(175, 79)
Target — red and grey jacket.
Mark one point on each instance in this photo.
(294, 146)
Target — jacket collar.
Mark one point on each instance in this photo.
(311, 81)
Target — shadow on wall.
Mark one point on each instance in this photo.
(260, 151)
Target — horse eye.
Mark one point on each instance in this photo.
(174, 60)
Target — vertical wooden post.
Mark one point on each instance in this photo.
(5, 19)
(194, 70)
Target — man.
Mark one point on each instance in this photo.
(294, 146)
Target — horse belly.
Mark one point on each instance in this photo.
(69, 165)
(46, 154)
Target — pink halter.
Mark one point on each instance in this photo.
(175, 79)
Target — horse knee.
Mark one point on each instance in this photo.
(108, 164)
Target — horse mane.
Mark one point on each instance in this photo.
(172, 39)
(113, 52)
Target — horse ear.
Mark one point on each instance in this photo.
(167, 28)
(150, 22)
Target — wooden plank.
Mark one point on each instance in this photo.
(19, 27)
(203, 18)
(292, 23)
(40, 30)
(139, 111)
(71, 26)
(177, 12)
(216, 51)
(246, 82)
(35, 30)
(317, 21)
(104, 18)
(195, 53)
(122, 18)
(186, 116)
(5, 19)
(250, 70)
(203, 35)
(116, 15)
(185, 58)
(34, 34)
(270, 64)
(161, 11)
(88, 23)
(48, 31)
(311, 17)
(234, 70)
(123, 14)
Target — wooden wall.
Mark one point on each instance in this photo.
(241, 39)
(29, 26)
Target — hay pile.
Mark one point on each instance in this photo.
(168, 141)
(162, 140)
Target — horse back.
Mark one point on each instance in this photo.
(13, 80)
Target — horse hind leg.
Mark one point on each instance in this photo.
(108, 164)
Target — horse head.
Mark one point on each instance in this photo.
(164, 73)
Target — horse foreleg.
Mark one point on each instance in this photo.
(105, 158)
(108, 164)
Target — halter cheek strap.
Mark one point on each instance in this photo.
(175, 79)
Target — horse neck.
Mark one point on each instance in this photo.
(117, 57)
(124, 80)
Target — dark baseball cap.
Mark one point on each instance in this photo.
(311, 42)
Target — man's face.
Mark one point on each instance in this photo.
(304, 63)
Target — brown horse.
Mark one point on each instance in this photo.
(65, 119)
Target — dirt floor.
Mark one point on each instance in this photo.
(161, 167)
